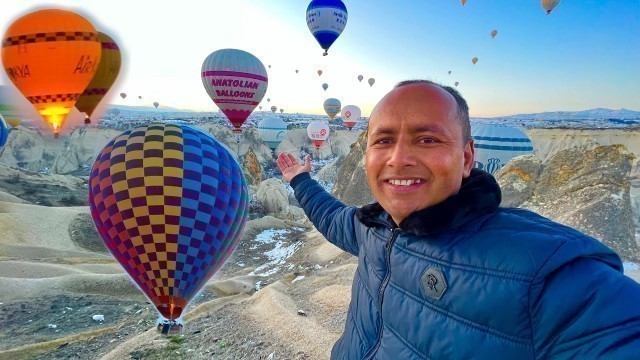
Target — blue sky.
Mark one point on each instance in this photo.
(586, 54)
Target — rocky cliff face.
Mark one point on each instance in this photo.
(351, 185)
(586, 190)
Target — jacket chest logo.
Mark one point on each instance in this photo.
(433, 283)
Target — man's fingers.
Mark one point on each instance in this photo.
(292, 159)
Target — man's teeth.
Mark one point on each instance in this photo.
(405, 182)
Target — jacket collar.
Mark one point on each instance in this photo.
(479, 195)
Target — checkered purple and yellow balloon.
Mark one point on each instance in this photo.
(170, 203)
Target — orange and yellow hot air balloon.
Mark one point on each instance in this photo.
(105, 76)
(51, 56)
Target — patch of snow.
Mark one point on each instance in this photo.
(298, 278)
(618, 196)
(629, 266)
(98, 317)
(52, 326)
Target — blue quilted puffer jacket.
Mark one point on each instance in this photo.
(467, 279)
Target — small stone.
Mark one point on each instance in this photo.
(302, 313)
(52, 326)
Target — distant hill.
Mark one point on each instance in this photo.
(147, 108)
(593, 114)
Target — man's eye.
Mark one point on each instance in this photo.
(382, 141)
(428, 140)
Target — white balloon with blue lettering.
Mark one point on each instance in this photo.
(496, 145)
(326, 20)
(272, 131)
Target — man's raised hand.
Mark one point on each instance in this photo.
(290, 167)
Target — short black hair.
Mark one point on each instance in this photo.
(463, 108)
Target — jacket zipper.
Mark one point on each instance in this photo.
(383, 286)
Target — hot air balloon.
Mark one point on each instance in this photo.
(268, 100)
(326, 20)
(139, 97)
(156, 104)
(272, 131)
(281, 111)
(351, 115)
(296, 71)
(51, 56)
(549, 5)
(269, 66)
(274, 109)
(170, 204)
(319, 72)
(474, 60)
(463, 2)
(494, 33)
(260, 107)
(449, 72)
(332, 107)
(318, 132)
(106, 75)
(360, 77)
(236, 81)
(325, 86)
(456, 84)
(371, 81)
(123, 96)
(4, 132)
(495, 145)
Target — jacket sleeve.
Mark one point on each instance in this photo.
(336, 221)
(586, 309)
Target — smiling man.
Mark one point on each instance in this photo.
(443, 271)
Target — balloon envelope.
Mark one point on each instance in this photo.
(332, 107)
(360, 77)
(4, 132)
(474, 60)
(319, 72)
(272, 131)
(106, 75)
(325, 86)
(236, 81)
(318, 132)
(549, 5)
(326, 20)
(274, 109)
(170, 204)
(51, 56)
(281, 111)
(156, 104)
(463, 2)
(371, 81)
(494, 33)
(456, 84)
(495, 145)
(351, 115)
(123, 95)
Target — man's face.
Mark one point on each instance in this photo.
(416, 156)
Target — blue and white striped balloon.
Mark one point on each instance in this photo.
(326, 20)
(496, 145)
(4, 131)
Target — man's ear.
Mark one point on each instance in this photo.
(469, 157)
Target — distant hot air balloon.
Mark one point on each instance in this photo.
(269, 66)
(351, 116)
(156, 104)
(106, 75)
(549, 5)
(123, 96)
(274, 109)
(272, 131)
(325, 86)
(326, 20)
(332, 107)
(319, 72)
(296, 71)
(170, 217)
(360, 77)
(268, 100)
(140, 97)
(281, 111)
(463, 2)
(456, 84)
(371, 81)
(474, 60)
(449, 72)
(260, 107)
(13, 122)
(494, 33)
(4, 132)
(236, 81)
(51, 56)
(495, 145)
(318, 132)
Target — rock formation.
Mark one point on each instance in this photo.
(351, 186)
(585, 189)
(251, 168)
(273, 197)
